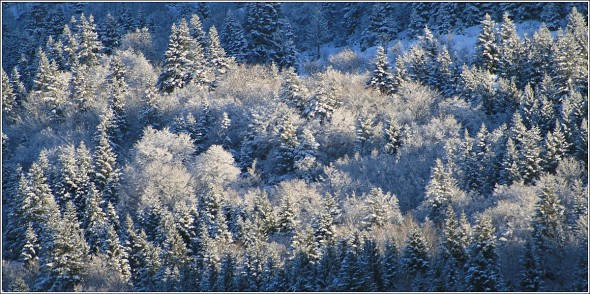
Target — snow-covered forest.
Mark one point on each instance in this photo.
(295, 146)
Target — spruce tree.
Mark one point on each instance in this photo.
(393, 137)
(262, 24)
(80, 88)
(30, 251)
(232, 38)
(389, 266)
(178, 64)
(216, 56)
(483, 273)
(486, 45)
(530, 277)
(8, 96)
(440, 192)
(110, 34)
(106, 171)
(381, 78)
(548, 221)
(455, 240)
(95, 222)
(510, 49)
(286, 151)
(150, 114)
(117, 92)
(322, 104)
(418, 17)
(556, 148)
(415, 260)
(292, 90)
(89, 48)
(65, 257)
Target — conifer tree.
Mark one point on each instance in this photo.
(287, 219)
(381, 78)
(232, 38)
(389, 266)
(539, 55)
(418, 17)
(216, 56)
(382, 27)
(39, 201)
(510, 170)
(178, 64)
(486, 46)
(350, 274)
(150, 114)
(95, 221)
(415, 259)
(8, 96)
(455, 240)
(262, 25)
(84, 167)
(393, 137)
(18, 88)
(288, 143)
(117, 254)
(292, 91)
(65, 257)
(89, 48)
(556, 148)
(530, 277)
(483, 273)
(110, 34)
(30, 251)
(80, 88)
(106, 171)
(548, 221)
(117, 90)
(440, 192)
(196, 30)
(381, 208)
(510, 49)
(322, 104)
(286, 55)
(226, 278)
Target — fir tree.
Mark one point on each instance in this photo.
(117, 90)
(393, 137)
(232, 38)
(322, 104)
(547, 223)
(292, 90)
(90, 46)
(216, 56)
(80, 88)
(30, 251)
(381, 78)
(486, 46)
(18, 88)
(418, 17)
(178, 65)
(556, 147)
(530, 277)
(110, 34)
(8, 96)
(483, 273)
(95, 221)
(440, 192)
(510, 49)
(106, 171)
(382, 27)
(64, 261)
(262, 24)
(196, 30)
(415, 259)
(389, 266)
(455, 240)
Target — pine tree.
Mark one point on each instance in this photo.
(350, 274)
(84, 164)
(45, 84)
(539, 55)
(89, 48)
(440, 192)
(232, 38)
(393, 137)
(14, 192)
(510, 170)
(196, 30)
(510, 49)
(530, 277)
(306, 155)
(117, 254)
(548, 221)
(39, 202)
(106, 171)
(571, 54)
(530, 155)
(262, 24)
(226, 277)
(18, 88)
(65, 257)
(483, 273)
(8, 96)
(287, 219)
(66, 185)
(178, 64)
(381, 78)
(150, 114)
(415, 258)
(110, 34)
(70, 45)
(30, 251)
(288, 143)
(95, 221)
(370, 262)
(486, 46)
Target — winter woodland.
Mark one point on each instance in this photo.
(295, 146)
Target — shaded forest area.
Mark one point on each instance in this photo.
(219, 152)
